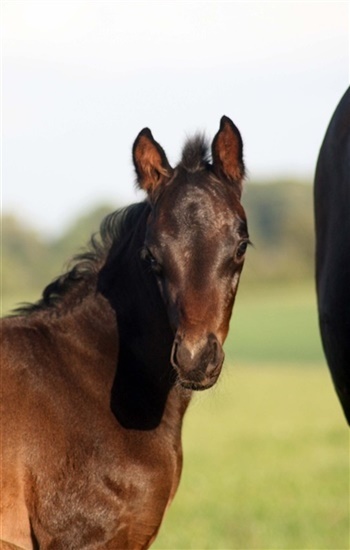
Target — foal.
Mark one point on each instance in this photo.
(97, 376)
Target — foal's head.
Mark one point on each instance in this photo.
(195, 244)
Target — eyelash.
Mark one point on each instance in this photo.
(241, 249)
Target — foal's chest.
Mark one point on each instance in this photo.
(114, 500)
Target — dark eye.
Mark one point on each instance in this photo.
(241, 249)
(153, 263)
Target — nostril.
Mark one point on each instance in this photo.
(214, 345)
(174, 350)
(181, 357)
(214, 350)
(216, 356)
(173, 355)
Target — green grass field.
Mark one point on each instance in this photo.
(266, 451)
(266, 465)
(275, 323)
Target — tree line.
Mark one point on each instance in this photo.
(280, 222)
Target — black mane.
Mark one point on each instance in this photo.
(84, 267)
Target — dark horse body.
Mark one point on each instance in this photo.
(332, 217)
(96, 377)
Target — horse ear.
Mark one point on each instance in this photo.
(227, 153)
(151, 165)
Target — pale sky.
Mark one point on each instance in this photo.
(81, 78)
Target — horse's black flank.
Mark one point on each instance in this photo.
(332, 225)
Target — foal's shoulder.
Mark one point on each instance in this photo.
(19, 337)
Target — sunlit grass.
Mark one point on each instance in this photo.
(266, 465)
(275, 323)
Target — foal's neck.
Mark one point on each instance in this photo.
(126, 365)
(86, 331)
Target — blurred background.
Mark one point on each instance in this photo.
(266, 451)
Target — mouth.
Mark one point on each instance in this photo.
(195, 387)
(198, 386)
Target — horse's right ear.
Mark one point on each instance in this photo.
(152, 167)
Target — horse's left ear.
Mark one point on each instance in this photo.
(227, 153)
(152, 167)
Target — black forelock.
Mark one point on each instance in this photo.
(195, 154)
